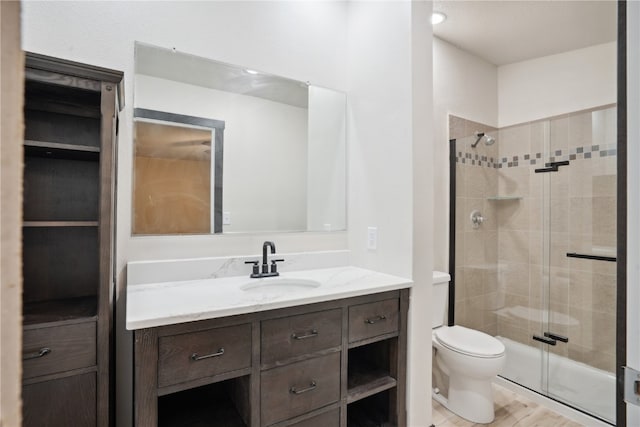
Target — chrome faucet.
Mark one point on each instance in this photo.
(265, 264)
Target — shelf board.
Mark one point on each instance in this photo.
(69, 310)
(56, 150)
(60, 224)
(60, 146)
(503, 198)
(365, 384)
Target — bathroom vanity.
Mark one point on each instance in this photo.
(328, 354)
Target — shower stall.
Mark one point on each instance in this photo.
(533, 250)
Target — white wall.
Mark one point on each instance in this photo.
(301, 40)
(327, 160)
(370, 58)
(265, 151)
(557, 84)
(389, 131)
(379, 137)
(466, 86)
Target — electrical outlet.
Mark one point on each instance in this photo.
(372, 238)
(226, 218)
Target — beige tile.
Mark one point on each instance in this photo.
(474, 282)
(536, 213)
(604, 331)
(490, 213)
(558, 248)
(559, 133)
(513, 215)
(539, 137)
(461, 189)
(559, 214)
(515, 279)
(460, 284)
(580, 129)
(457, 127)
(513, 181)
(515, 140)
(604, 215)
(604, 292)
(513, 246)
(476, 181)
(536, 249)
(580, 212)
(474, 248)
(559, 285)
(491, 248)
(580, 182)
(604, 185)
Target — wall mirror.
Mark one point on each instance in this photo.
(220, 148)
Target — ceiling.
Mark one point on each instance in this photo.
(503, 32)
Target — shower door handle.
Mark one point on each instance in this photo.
(545, 340)
(556, 337)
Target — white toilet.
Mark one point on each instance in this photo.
(470, 358)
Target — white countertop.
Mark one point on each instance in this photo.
(166, 303)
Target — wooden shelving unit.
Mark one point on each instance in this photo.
(70, 110)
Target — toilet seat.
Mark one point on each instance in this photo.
(469, 341)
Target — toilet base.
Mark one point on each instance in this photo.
(470, 399)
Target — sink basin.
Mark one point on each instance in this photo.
(279, 285)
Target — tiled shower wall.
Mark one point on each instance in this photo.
(501, 281)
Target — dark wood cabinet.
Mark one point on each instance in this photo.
(70, 113)
(332, 364)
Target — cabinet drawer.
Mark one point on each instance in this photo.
(297, 335)
(201, 354)
(327, 419)
(298, 388)
(69, 401)
(373, 319)
(58, 349)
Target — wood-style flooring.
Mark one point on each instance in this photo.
(511, 410)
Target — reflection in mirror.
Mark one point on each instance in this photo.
(284, 148)
(176, 188)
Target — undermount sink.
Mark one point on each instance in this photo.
(279, 285)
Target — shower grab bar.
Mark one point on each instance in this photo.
(544, 340)
(556, 337)
(592, 257)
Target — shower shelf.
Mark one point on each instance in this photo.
(503, 198)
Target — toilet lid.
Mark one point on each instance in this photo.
(469, 341)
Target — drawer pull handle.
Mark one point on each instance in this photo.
(313, 333)
(376, 319)
(195, 356)
(312, 386)
(37, 354)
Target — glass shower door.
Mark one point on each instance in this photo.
(580, 249)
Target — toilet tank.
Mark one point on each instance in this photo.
(439, 295)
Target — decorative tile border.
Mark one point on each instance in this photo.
(576, 153)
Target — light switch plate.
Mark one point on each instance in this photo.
(226, 218)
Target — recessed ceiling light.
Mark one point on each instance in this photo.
(251, 71)
(437, 18)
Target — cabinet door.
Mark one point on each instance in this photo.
(63, 402)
